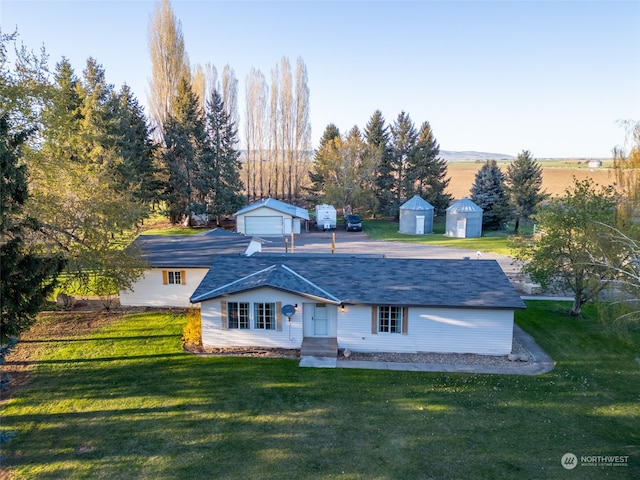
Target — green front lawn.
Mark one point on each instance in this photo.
(496, 242)
(127, 402)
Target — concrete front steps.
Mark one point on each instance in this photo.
(319, 352)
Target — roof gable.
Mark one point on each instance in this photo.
(276, 205)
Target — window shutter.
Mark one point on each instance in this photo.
(165, 277)
(279, 316)
(183, 277)
(374, 320)
(223, 314)
(405, 320)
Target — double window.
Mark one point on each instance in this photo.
(389, 319)
(237, 315)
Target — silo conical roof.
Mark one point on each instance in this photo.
(416, 203)
(464, 205)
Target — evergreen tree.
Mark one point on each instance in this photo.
(523, 183)
(426, 172)
(376, 133)
(488, 193)
(137, 173)
(184, 137)
(219, 182)
(403, 140)
(27, 277)
(84, 213)
(318, 172)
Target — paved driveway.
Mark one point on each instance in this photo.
(359, 243)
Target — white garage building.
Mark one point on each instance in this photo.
(270, 217)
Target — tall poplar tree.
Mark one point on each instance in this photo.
(256, 131)
(169, 63)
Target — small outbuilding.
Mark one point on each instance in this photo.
(464, 219)
(416, 216)
(270, 217)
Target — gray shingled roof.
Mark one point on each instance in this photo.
(278, 206)
(365, 280)
(190, 250)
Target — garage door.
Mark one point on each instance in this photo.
(263, 225)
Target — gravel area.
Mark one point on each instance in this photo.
(519, 354)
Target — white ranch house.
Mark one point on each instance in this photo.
(178, 263)
(270, 217)
(363, 304)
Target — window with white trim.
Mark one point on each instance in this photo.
(238, 315)
(264, 315)
(389, 319)
(174, 277)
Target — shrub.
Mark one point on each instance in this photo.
(192, 333)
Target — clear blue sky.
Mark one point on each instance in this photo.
(552, 77)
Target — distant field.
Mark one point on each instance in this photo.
(557, 175)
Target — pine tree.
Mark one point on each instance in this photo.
(219, 182)
(403, 139)
(489, 194)
(27, 278)
(138, 173)
(523, 183)
(426, 172)
(318, 171)
(184, 138)
(376, 134)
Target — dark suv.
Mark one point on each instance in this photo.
(354, 223)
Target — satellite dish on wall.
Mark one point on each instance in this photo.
(288, 310)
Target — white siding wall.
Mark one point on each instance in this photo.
(485, 332)
(213, 335)
(149, 291)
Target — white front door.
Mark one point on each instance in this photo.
(419, 225)
(320, 319)
(461, 228)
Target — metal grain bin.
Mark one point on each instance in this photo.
(464, 219)
(416, 216)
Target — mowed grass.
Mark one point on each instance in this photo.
(491, 241)
(127, 402)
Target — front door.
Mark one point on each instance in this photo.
(320, 319)
(461, 228)
(419, 225)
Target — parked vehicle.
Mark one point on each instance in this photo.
(325, 217)
(353, 223)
